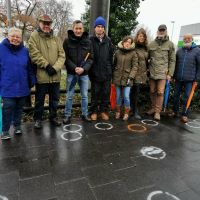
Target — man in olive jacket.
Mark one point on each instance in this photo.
(161, 66)
(48, 56)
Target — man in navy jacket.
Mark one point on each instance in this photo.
(187, 71)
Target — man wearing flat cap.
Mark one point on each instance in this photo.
(48, 56)
(161, 66)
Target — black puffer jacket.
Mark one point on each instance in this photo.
(101, 69)
(76, 50)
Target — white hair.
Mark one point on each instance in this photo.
(14, 30)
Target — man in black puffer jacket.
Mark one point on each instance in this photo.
(187, 71)
(78, 51)
(101, 71)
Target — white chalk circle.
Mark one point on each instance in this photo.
(193, 124)
(71, 126)
(196, 120)
(161, 193)
(149, 122)
(69, 130)
(153, 153)
(98, 126)
(3, 198)
(71, 139)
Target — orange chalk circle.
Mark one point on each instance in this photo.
(137, 128)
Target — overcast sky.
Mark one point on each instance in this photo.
(155, 12)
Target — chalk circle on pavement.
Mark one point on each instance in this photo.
(149, 122)
(71, 137)
(103, 126)
(70, 128)
(72, 131)
(193, 124)
(153, 153)
(163, 194)
(3, 198)
(137, 128)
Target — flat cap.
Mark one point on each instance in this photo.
(45, 18)
(162, 27)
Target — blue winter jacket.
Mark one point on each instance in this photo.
(187, 64)
(15, 70)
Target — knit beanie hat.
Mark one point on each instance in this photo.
(100, 21)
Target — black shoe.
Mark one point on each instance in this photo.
(38, 124)
(86, 118)
(55, 122)
(137, 116)
(67, 120)
(18, 130)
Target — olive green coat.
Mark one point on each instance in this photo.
(162, 58)
(46, 50)
(141, 75)
(125, 66)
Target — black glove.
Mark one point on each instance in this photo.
(50, 70)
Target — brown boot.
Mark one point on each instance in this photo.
(117, 114)
(94, 116)
(104, 116)
(151, 111)
(126, 113)
(184, 119)
(157, 116)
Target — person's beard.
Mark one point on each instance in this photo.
(187, 45)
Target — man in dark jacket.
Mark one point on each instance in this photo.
(187, 71)
(78, 51)
(101, 71)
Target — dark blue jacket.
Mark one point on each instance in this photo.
(15, 70)
(187, 64)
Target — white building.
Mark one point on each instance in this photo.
(194, 29)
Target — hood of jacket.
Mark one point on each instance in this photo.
(120, 46)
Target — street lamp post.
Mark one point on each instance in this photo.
(172, 29)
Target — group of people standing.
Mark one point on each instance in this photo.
(92, 58)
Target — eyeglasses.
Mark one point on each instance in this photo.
(47, 23)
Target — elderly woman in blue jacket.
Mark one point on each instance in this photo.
(187, 71)
(15, 76)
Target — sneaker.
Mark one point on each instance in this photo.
(117, 115)
(18, 130)
(125, 117)
(157, 116)
(94, 117)
(67, 120)
(38, 124)
(184, 119)
(5, 135)
(172, 114)
(104, 116)
(151, 111)
(55, 122)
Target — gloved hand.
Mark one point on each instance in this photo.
(50, 70)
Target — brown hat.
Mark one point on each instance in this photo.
(162, 27)
(45, 18)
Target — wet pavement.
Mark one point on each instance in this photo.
(134, 160)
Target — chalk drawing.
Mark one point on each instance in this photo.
(153, 153)
(69, 129)
(149, 122)
(109, 126)
(161, 193)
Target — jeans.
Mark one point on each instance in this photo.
(177, 92)
(157, 89)
(12, 111)
(53, 89)
(83, 84)
(126, 95)
(100, 96)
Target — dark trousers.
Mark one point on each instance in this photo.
(12, 111)
(53, 90)
(100, 96)
(134, 97)
(179, 85)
